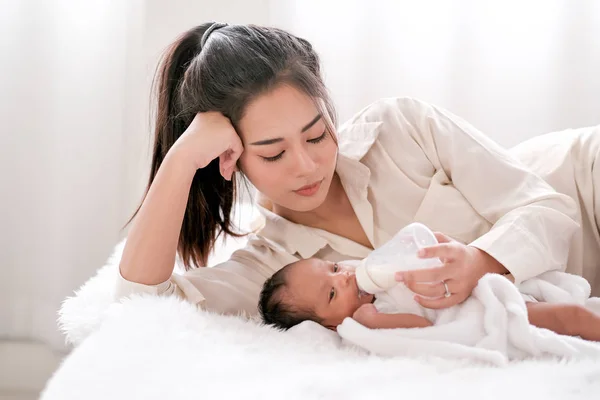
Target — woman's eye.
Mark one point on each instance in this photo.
(331, 294)
(318, 139)
(274, 158)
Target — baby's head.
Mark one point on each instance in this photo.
(311, 289)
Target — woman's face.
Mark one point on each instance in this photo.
(289, 155)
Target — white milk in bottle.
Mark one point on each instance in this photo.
(376, 272)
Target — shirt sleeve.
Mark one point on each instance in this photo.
(532, 224)
(232, 287)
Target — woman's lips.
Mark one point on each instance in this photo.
(309, 190)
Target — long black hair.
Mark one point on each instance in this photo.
(233, 66)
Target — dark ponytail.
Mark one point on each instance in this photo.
(236, 64)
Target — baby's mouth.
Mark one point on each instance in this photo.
(361, 293)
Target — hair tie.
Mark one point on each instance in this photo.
(211, 29)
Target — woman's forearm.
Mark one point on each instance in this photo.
(149, 254)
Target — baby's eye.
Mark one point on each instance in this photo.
(331, 294)
(335, 268)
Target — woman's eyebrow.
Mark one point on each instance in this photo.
(311, 123)
(277, 140)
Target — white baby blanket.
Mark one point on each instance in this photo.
(491, 326)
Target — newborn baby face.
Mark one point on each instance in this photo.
(327, 288)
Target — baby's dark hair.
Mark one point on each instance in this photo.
(275, 307)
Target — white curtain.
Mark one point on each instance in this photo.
(513, 68)
(74, 97)
(64, 96)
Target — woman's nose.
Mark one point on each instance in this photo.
(305, 165)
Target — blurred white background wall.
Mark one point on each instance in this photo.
(74, 86)
(513, 68)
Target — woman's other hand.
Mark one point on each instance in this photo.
(210, 135)
(462, 268)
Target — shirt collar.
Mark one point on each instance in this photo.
(354, 141)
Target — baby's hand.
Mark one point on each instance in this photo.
(365, 313)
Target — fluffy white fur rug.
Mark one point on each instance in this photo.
(163, 348)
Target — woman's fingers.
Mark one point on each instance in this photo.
(446, 251)
(224, 166)
(427, 289)
(459, 272)
(228, 160)
(436, 274)
(441, 238)
(434, 289)
(441, 302)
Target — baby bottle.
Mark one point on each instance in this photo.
(376, 272)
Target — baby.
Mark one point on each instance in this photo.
(327, 293)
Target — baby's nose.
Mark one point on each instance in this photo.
(347, 276)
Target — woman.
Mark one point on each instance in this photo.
(251, 99)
